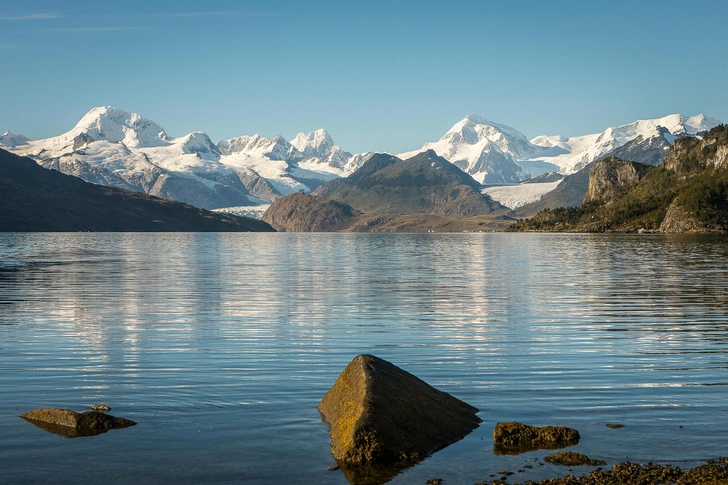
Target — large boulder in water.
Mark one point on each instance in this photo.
(72, 424)
(380, 413)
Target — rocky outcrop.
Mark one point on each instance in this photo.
(544, 178)
(308, 213)
(379, 413)
(515, 438)
(257, 185)
(569, 458)
(677, 220)
(688, 155)
(610, 177)
(82, 140)
(72, 424)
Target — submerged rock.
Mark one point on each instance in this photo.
(569, 458)
(71, 424)
(379, 413)
(515, 438)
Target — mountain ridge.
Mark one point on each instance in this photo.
(38, 199)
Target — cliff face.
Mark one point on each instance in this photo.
(678, 220)
(610, 177)
(690, 155)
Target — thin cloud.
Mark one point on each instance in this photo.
(32, 16)
(92, 29)
(216, 14)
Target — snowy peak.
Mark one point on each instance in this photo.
(475, 128)
(11, 140)
(277, 148)
(199, 143)
(317, 141)
(676, 124)
(577, 152)
(318, 148)
(484, 149)
(114, 125)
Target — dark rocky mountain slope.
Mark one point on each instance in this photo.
(33, 198)
(423, 184)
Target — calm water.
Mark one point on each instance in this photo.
(221, 346)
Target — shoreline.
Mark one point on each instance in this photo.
(713, 472)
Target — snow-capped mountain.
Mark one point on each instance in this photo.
(274, 148)
(115, 147)
(11, 140)
(645, 141)
(487, 151)
(317, 148)
(569, 155)
(498, 154)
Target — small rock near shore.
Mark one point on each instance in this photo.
(569, 458)
(102, 408)
(614, 425)
(89, 423)
(513, 437)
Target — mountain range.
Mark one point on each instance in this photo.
(122, 149)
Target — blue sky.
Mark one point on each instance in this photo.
(377, 75)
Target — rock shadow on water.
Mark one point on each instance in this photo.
(377, 474)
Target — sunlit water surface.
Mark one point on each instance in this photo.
(222, 345)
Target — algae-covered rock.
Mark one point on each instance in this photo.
(515, 438)
(380, 413)
(71, 424)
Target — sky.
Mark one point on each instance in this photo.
(380, 76)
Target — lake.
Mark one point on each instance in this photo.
(221, 345)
